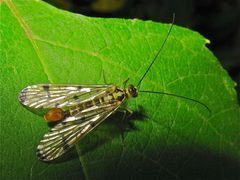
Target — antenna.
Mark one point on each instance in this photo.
(149, 67)
(183, 97)
(154, 59)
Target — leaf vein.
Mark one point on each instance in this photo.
(29, 35)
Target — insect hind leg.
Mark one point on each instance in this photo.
(125, 110)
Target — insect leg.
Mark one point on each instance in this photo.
(104, 77)
(124, 83)
(125, 110)
(126, 114)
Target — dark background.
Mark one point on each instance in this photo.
(217, 20)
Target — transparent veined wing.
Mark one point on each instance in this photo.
(66, 133)
(57, 96)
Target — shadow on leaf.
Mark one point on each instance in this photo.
(169, 162)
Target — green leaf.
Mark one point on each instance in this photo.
(169, 137)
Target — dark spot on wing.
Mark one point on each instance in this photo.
(66, 113)
(79, 87)
(92, 124)
(89, 104)
(63, 139)
(102, 98)
(66, 147)
(97, 101)
(40, 155)
(65, 144)
(22, 96)
(75, 97)
(57, 104)
(83, 118)
(74, 112)
(63, 123)
(80, 107)
(46, 87)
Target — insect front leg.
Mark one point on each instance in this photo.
(126, 114)
(124, 83)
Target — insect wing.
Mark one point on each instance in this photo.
(57, 96)
(65, 134)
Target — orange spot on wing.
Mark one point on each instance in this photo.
(55, 114)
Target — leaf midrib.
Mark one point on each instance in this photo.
(29, 35)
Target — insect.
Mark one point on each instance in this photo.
(78, 109)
